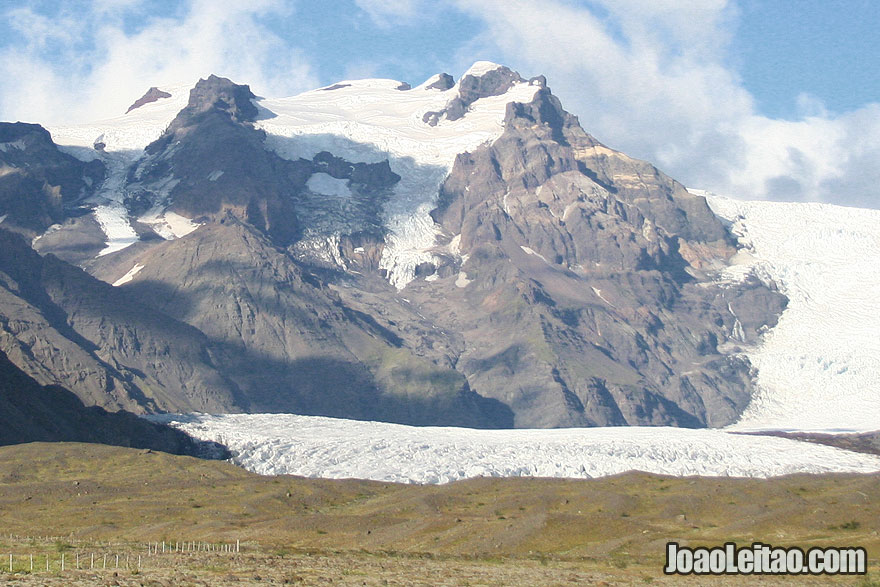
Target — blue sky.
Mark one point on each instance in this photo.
(754, 98)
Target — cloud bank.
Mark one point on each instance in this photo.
(86, 63)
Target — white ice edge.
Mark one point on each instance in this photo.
(312, 446)
(818, 369)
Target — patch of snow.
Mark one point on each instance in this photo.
(432, 277)
(113, 219)
(128, 276)
(180, 225)
(326, 184)
(215, 175)
(462, 280)
(598, 293)
(2, 218)
(530, 251)
(168, 225)
(818, 368)
(371, 121)
(312, 446)
(481, 68)
(19, 144)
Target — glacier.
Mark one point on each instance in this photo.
(372, 120)
(314, 446)
(817, 370)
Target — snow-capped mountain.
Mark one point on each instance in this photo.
(455, 253)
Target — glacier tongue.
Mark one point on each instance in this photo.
(312, 446)
(818, 369)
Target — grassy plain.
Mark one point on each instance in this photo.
(94, 498)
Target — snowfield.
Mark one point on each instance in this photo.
(367, 121)
(312, 446)
(818, 369)
(372, 120)
(125, 138)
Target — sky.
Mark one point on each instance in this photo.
(756, 99)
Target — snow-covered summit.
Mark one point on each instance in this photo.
(128, 132)
(366, 120)
(481, 68)
(373, 120)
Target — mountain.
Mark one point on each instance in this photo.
(30, 412)
(455, 253)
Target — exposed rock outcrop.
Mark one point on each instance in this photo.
(154, 94)
(588, 295)
(30, 412)
(39, 184)
(62, 326)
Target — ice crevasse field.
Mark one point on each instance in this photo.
(817, 369)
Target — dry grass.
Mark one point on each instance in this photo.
(481, 531)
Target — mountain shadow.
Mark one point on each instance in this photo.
(30, 412)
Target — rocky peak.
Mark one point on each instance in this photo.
(443, 82)
(38, 182)
(19, 131)
(217, 95)
(482, 80)
(154, 94)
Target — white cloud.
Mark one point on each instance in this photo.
(386, 13)
(652, 77)
(77, 82)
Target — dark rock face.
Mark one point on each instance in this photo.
(209, 137)
(444, 82)
(154, 94)
(213, 96)
(40, 185)
(470, 89)
(288, 341)
(62, 326)
(591, 301)
(30, 412)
